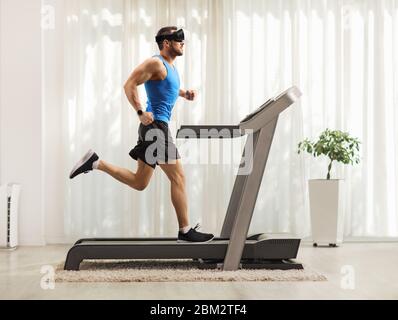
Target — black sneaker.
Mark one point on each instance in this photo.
(84, 165)
(194, 236)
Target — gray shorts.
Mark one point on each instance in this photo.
(155, 145)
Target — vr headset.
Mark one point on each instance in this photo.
(177, 36)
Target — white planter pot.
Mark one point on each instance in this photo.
(327, 211)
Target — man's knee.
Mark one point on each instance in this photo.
(142, 177)
(141, 182)
(140, 185)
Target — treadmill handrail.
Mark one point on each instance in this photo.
(251, 123)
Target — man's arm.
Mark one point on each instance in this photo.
(141, 74)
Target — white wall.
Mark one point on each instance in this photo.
(21, 144)
(53, 82)
(30, 135)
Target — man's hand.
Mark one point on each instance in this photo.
(190, 95)
(146, 118)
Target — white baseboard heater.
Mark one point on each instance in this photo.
(9, 203)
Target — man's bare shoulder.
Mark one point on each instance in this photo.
(153, 64)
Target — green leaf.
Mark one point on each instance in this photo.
(334, 144)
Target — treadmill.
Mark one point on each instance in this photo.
(234, 249)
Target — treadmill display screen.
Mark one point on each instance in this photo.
(250, 116)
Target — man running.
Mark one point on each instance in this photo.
(155, 145)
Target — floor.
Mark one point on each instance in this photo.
(354, 271)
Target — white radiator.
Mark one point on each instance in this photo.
(9, 202)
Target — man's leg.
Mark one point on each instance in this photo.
(175, 173)
(138, 180)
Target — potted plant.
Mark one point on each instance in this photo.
(326, 195)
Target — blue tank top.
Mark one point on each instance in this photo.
(163, 94)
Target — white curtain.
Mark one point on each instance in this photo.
(341, 54)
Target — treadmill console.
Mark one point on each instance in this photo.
(253, 114)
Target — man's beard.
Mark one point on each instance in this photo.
(176, 53)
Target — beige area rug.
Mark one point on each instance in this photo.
(173, 271)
